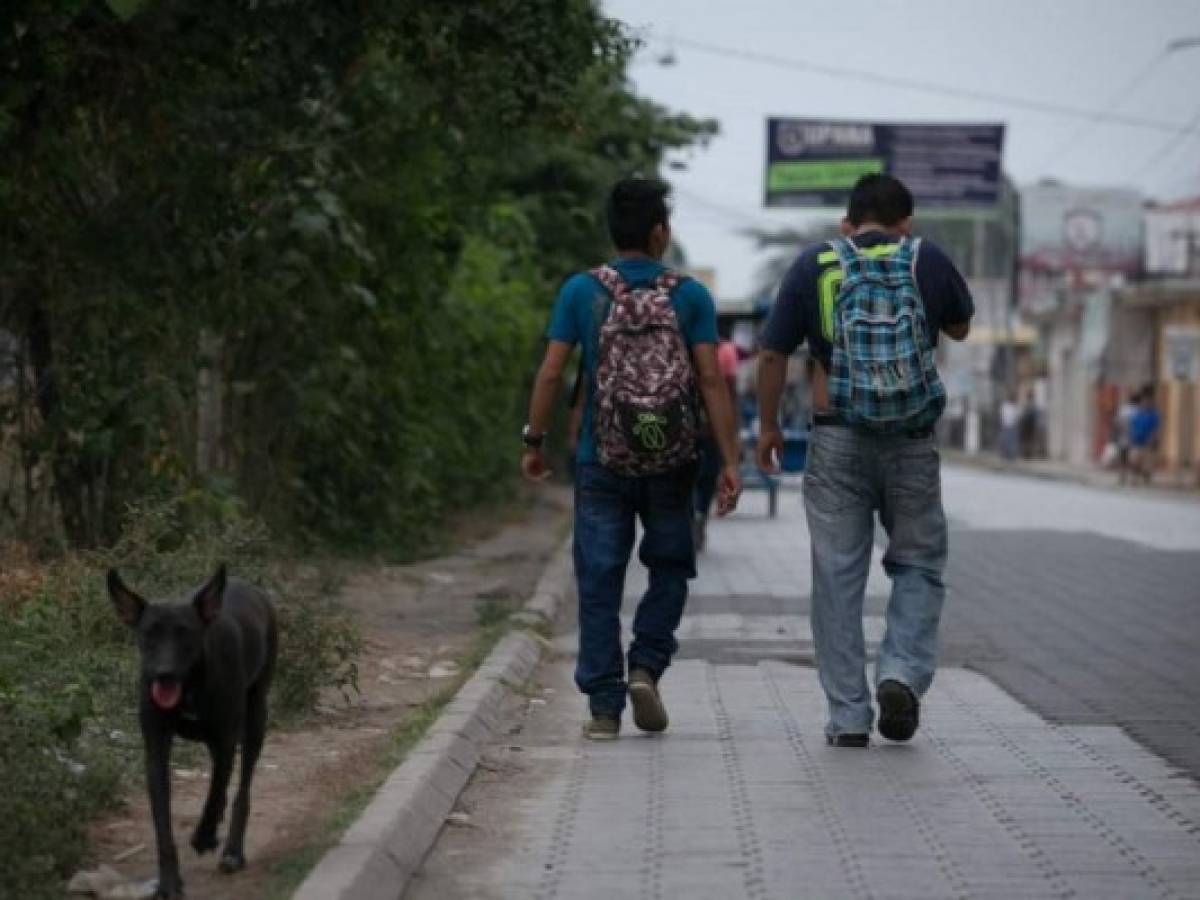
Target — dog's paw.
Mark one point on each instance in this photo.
(204, 839)
(232, 861)
(170, 893)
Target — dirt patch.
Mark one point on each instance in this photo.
(419, 622)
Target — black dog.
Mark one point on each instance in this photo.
(206, 669)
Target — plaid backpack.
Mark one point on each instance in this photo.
(646, 409)
(882, 376)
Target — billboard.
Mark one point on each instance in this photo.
(1071, 229)
(1172, 247)
(815, 162)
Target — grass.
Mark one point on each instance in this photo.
(287, 875)
(493, 622)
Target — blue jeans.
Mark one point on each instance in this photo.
(606, 507)
(850, 475)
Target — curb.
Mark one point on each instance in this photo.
(1086, 477)
(990, 463)
(379, 853)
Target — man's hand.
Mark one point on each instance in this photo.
(533, 465)
(770, 449)
(729, 488)
(958, 331)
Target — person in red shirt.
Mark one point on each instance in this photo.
(710, 452)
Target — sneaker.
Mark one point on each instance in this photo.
(848, 740)
(899, 710)
(602, 728)
(649, 714)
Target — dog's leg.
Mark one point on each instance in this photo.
(158, 782)
(222, 751)
(233, 858)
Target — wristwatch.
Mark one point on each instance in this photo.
(531, 439)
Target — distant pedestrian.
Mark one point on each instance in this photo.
(649, 354)
(876, 398)
(1010, 437)
(1028, 427)
(1121, 429)
(710, 449)
(1143, 437)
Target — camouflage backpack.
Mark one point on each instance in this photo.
(646, 412)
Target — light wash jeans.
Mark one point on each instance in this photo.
(850, 476)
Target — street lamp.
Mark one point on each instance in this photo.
(1186, 43)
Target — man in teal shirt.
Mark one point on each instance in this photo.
(607, 503)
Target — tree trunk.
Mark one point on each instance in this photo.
(209, 407)
(71, 480)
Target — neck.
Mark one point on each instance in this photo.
(637, 254)
(875, 226)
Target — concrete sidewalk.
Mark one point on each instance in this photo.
(742, 797)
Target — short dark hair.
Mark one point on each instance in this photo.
(879, 198)
(635, 206)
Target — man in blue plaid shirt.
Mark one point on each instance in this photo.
(854, 472)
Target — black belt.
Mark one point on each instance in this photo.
(836, 421)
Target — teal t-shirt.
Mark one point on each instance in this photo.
(582, 306)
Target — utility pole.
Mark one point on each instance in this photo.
(1184, 43)
(972, 437)
(1014, 296)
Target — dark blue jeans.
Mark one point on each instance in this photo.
(607, 506)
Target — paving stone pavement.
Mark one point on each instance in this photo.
(1051, 770)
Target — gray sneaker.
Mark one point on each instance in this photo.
(602, 728)
(649, 714)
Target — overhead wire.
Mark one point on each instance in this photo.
(1114, 101)
(1171, 143)
(744, 219)
(844, 72)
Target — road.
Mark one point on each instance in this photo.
(1059, 753)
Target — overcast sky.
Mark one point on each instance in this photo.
(1077, 53)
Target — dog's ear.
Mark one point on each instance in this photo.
(129, 605)
(209, 598)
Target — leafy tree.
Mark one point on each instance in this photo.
(327, 226)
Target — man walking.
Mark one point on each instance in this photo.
(1143, 435)
(871, 305)
(649, 354)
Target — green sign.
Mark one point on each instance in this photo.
(820, 175)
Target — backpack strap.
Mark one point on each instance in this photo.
(848, 255)
(914, 244)
(668, 279)
(906, 254)
(611, 280)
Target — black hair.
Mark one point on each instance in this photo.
(879, 198)
(635, 206)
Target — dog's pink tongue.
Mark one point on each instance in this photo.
(165, 696)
